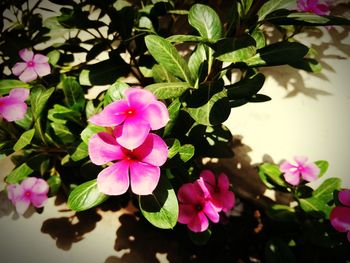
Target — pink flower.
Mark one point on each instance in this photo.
(13, 107)
(31, 191)
(314, 6)
(195, 207)
(32, 67)
(140, 166)
(340, 215)
(300, 169)
(220, 196)
(138, 113)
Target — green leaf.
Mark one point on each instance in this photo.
(63, 133)
(200, 238)
(198, 63)
(186, 152)
(89, 131)
(54, 183)
(174, 146)
(62, 114)
(206, 21)
(18, 174)
(323, 165)
(174, 110)
(54, 57)
(7, 84)
(161, 207)
(273, 175)
(314, 206)
(73, 92)
(246, 88)
(273, 5)
(307, 64)
(325, 191)
(161, 75)
(167, 56)
(80, 152)
(115, 92)
(277, 251)
(24, 140)
(86, 196)
(168, 90)
(39, 97)
(259, 38)
(281, 212)
(184, 38)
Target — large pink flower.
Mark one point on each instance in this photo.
(340, 215)
(32, 67)
(294, 171)
(138, 113)
(31, 191)
(220, 196)
(140, 166)
(13, 107)
(314, 6)
(195, 207)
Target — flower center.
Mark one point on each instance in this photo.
(27, 193)
(198, 207)
(130, 112)
(130, 156)
(30, 64)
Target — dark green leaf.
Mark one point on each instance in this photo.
(62, 114)
(174, 109)
(63, 133)
(54, 183)
(7, 84)
(281, 212)
(277, 251)
(259, 98)
(39, 97)
(273, 5)
(200, 238)
(24, 140)
(18, 174)
(73, 92)
(168, 90)
(307, 64)
(246, 88)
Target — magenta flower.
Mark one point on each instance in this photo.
(31, 191)
(293, 172)
(138, 113)
(220, 196)
(340, 215)
(32, 67)
(140, 166)
(195, 206)
(314, 6)
(13, 107)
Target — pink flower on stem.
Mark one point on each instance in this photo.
(30, 191)
(293, 172)
(32, 67)
(340, 215)
(139, 166)
(195, 207)
(220, 196)
(13, 107)
(314, 6)
(134, 117)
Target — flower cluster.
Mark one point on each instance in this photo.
(340, 215)
(314, 6)
(138, 153)
(203, 200)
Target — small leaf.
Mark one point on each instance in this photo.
(246, 88)
(80, 152)
(186, 152)
(54, 57)
(323, 165)
(18, 174)
(39, 97)
(160, 208)
(73, 92)
(273, 174)
(54, 183)
(174, 146)
(24, 140)
(7, 84)
(168, 90)
(86, 196)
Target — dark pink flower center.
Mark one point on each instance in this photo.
(131, 156)
(30, 64)
(27, 193)
(198, 207)
(130, 112)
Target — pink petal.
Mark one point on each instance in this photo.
(157, 115)
(18, 68)
(227, 201)
(340, 218)
(323, 9)
(114, 180)
(38, 200)
(26, 54)
(39, 58)
(188, 194)
(199, 223)
(139, 98)
(300, 160)
(28, 75)
(103, 148)
(211, 212)
(203, 188)
(40, 187)
(208, 177)
(223, 182)
(131, 134)
(112, 115)
(22, 205)
(13, 111)
(20, 94)
(310, 172)
(153, 151)
(11, 192)
(286, 166)
(186, 213)
(42, 69)
(292, 178)
(144, 178)
(344, 197)
(28, 183)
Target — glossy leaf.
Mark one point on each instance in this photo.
(273, 5)
(18, 174)
(271, 175)
(24, 140)
(73, 92)
(80, 152)
(325, 191)
(89, 131)
(168, 90)
(246, 88)
(184, 38)
(39, 97)
(186, 152)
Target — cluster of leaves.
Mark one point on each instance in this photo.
(182, 51)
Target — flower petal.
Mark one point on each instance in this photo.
(340, 218)
(286, 166)
(186, 213)
(208, 177)
(39, 58)
(223, 182)
(153, 151)
(18, 68)
(199, 223)
(139, 98)
(211, 212)
(103, 148)
(26, 54)
(344, 197)
(114, 180)
(292, 178)
(348, 235)
(157, 115)
(42, 69)
(28, 75)
(227, 201)
(20, 94)
(28, 183)
(144, 178)
(188, 194)
(13, 110)
(131, 134)
(38, 200)
(40, 187)
(300, 160)
(310, 172)
(12, 192)
(112, 115)
(22, 205)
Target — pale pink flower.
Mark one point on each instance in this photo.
(13, 107)
(220, 196)
(195, 208)
(32, 67)
(134, 117)
(340, 215)
(139, 166)
(317, 7)
(30, 191)
(294, 171)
